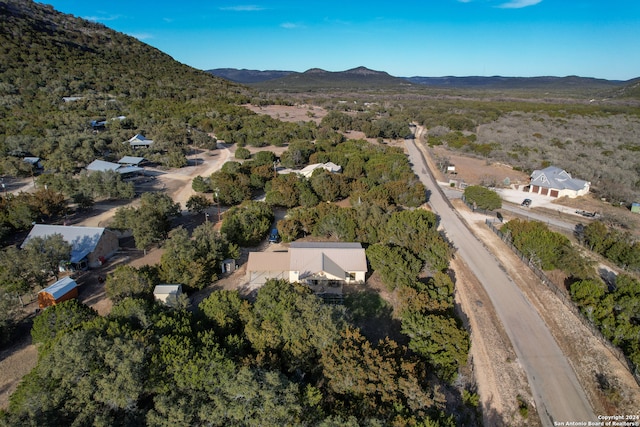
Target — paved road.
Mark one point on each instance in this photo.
(555, 388)
(528, 213)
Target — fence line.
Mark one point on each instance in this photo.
(568, 302)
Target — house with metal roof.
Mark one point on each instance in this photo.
(62, 290)
(555, 182)
(33, 161)
(139, 141)
(90, 246)
(122, 169)
(131, 161)
(323, 266)
(329, 166)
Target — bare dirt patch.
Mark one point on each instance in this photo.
(475, 171)
(291, 113)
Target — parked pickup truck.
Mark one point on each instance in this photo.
(586, 213)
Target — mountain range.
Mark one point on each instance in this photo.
(367, 78)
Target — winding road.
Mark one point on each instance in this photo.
(558, 395)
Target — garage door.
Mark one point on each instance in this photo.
(544, 191)
(535, 189)
(554, 193)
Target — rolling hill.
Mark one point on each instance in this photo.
(365, 78)
(49, 57)
(316, 78)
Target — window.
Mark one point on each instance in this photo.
(351, 276)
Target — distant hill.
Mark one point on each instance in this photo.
(60, 73)
(316, 78)
(364, 78)
(631, 89)
(245, 76)
(499, 82)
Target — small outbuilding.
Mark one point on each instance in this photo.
(635, 207)
(228, 266)
(62, 290)
(167, 293)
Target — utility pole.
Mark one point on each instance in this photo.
(216, 192)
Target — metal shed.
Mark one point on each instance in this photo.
(62, 290)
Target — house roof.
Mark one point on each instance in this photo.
(167, 289)
(554, 177)
(61, 287)
(309, 258)
(335, 258)
(102, 166)
(138, 139)
(83, 240)
(32, 160)
(123, 170)
(329, 166)
(268, 261)
(131, 160)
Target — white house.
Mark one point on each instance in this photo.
(329, 166)
(323, 266)
(138, 141)
(555, 182)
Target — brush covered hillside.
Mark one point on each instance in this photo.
(58, 73)
(360, 78)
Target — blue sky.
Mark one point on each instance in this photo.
(590, 38)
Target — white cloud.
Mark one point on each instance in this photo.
(290, 25)
(142, 36)
(512, 4)
(518, 4)
(243, 8)
(101, 18)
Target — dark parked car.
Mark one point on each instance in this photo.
(526, 203)
(274, 237)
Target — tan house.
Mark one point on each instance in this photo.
(323, 266)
